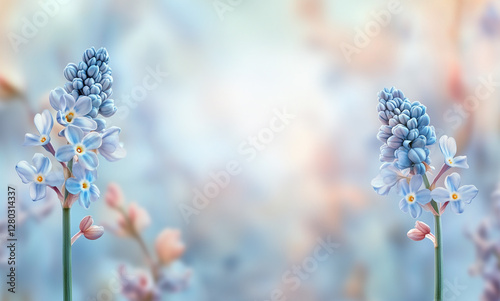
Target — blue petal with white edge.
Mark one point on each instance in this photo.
(65, 153)
(25, 171)
(37, 191)
(467, 193)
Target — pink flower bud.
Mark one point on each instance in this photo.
(422, 227)
(169, 246)
(415, 234)
(139, 217)
(93, 232)
(86, 223)
(114, 195)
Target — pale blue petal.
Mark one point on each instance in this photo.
(403, 205)
(440, 195)
(415, 183)
(65, 153)
(404, 187)
(83, 105)
(443, 147)
(55, 178)
(32, 140)
(423, 196)
(120, 153)
(69, 102)
(452, 182)
(78, 171)
(467, 193)
(460, 162)
(89, 160)
(94, 193)
(73, 134)
(42, 164)
(44, 122)
(61, 119)
(73, 186)
(26, 172)
(415, 210)
(457, 206)
(90, 175)
(92, 141)
(37, 191)
(55, 98)
(85, 123)
(84, 199)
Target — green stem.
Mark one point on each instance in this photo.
(67, 254)
(438, 250)
(67, 275)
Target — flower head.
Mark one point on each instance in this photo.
(413, 197)
(406, 131)
(80, 145)
(388, 177)
(457, 195)
(44, 124)
(39, 176)
(72, 111)
(448, 147)
(169, 246)
(82, 184)
(92, 78)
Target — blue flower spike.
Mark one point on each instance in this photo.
(39, 176)
(413, 198)
(83, 184)
(448, 147)
(456, 195)
(44, 124)
(406, 131)
(80, 145)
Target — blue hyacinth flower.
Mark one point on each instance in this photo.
(82, 183)
(457, 195)
(71, 111)
(39, 176)
(110, 148)
(80, 145)
(44, 124)
(413, 197)
(388, 177)
(92, 77)
(448, 147)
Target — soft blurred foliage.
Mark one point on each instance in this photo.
(225, 79)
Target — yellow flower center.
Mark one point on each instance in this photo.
(411, 199)
(450, 161)
(454, 196)
(70, 116)
(79, 149)
(85, 185)
(39, 179)
(43, 139)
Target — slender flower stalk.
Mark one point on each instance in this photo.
(67, 254)
(77, 105)
(406, 133)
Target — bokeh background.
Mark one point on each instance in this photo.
(229, 68)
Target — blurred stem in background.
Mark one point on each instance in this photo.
(438, 250)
